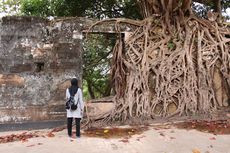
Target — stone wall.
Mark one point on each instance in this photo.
(37, 59)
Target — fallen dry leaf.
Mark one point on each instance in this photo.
(17, 137)
(31, 145)
(195, 151)
(212, 138)
(214, 127)
(58, 129)
(50, 134)
(162, 134)
(125, 140)
(24, 140)
(141, 136)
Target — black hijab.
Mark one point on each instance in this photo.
(74, 87)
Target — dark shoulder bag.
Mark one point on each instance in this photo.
(70, 103)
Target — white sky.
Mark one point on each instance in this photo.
(227, 13)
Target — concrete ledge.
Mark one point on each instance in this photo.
(31, 125)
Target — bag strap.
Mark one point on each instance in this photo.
(77, 101)
(74, 95)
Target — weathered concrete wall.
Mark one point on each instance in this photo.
(37, 59)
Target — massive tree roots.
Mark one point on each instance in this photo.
(164, 70)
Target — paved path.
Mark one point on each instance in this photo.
(151, 141)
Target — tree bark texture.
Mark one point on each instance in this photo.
(168, 62)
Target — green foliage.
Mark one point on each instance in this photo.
(113, 9)
(36, 7)
(96, 67)
(10, 7)
(171, 45)
(70, 7)
(202, 9)
(88, 8)
(225, 4)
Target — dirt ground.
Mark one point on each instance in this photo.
(154, 138)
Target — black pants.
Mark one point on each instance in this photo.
(69, 126)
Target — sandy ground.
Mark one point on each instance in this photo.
(151, 141)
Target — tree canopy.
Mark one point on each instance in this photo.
(97, 8)
(10, 7)
(96, 67)
(87, 8)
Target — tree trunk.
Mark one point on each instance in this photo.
(90, 89)
(108, 88)
(167, 64)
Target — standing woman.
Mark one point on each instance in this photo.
(77, 114)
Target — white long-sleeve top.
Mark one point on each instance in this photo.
(78, 113)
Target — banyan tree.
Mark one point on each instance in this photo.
(168, 64)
